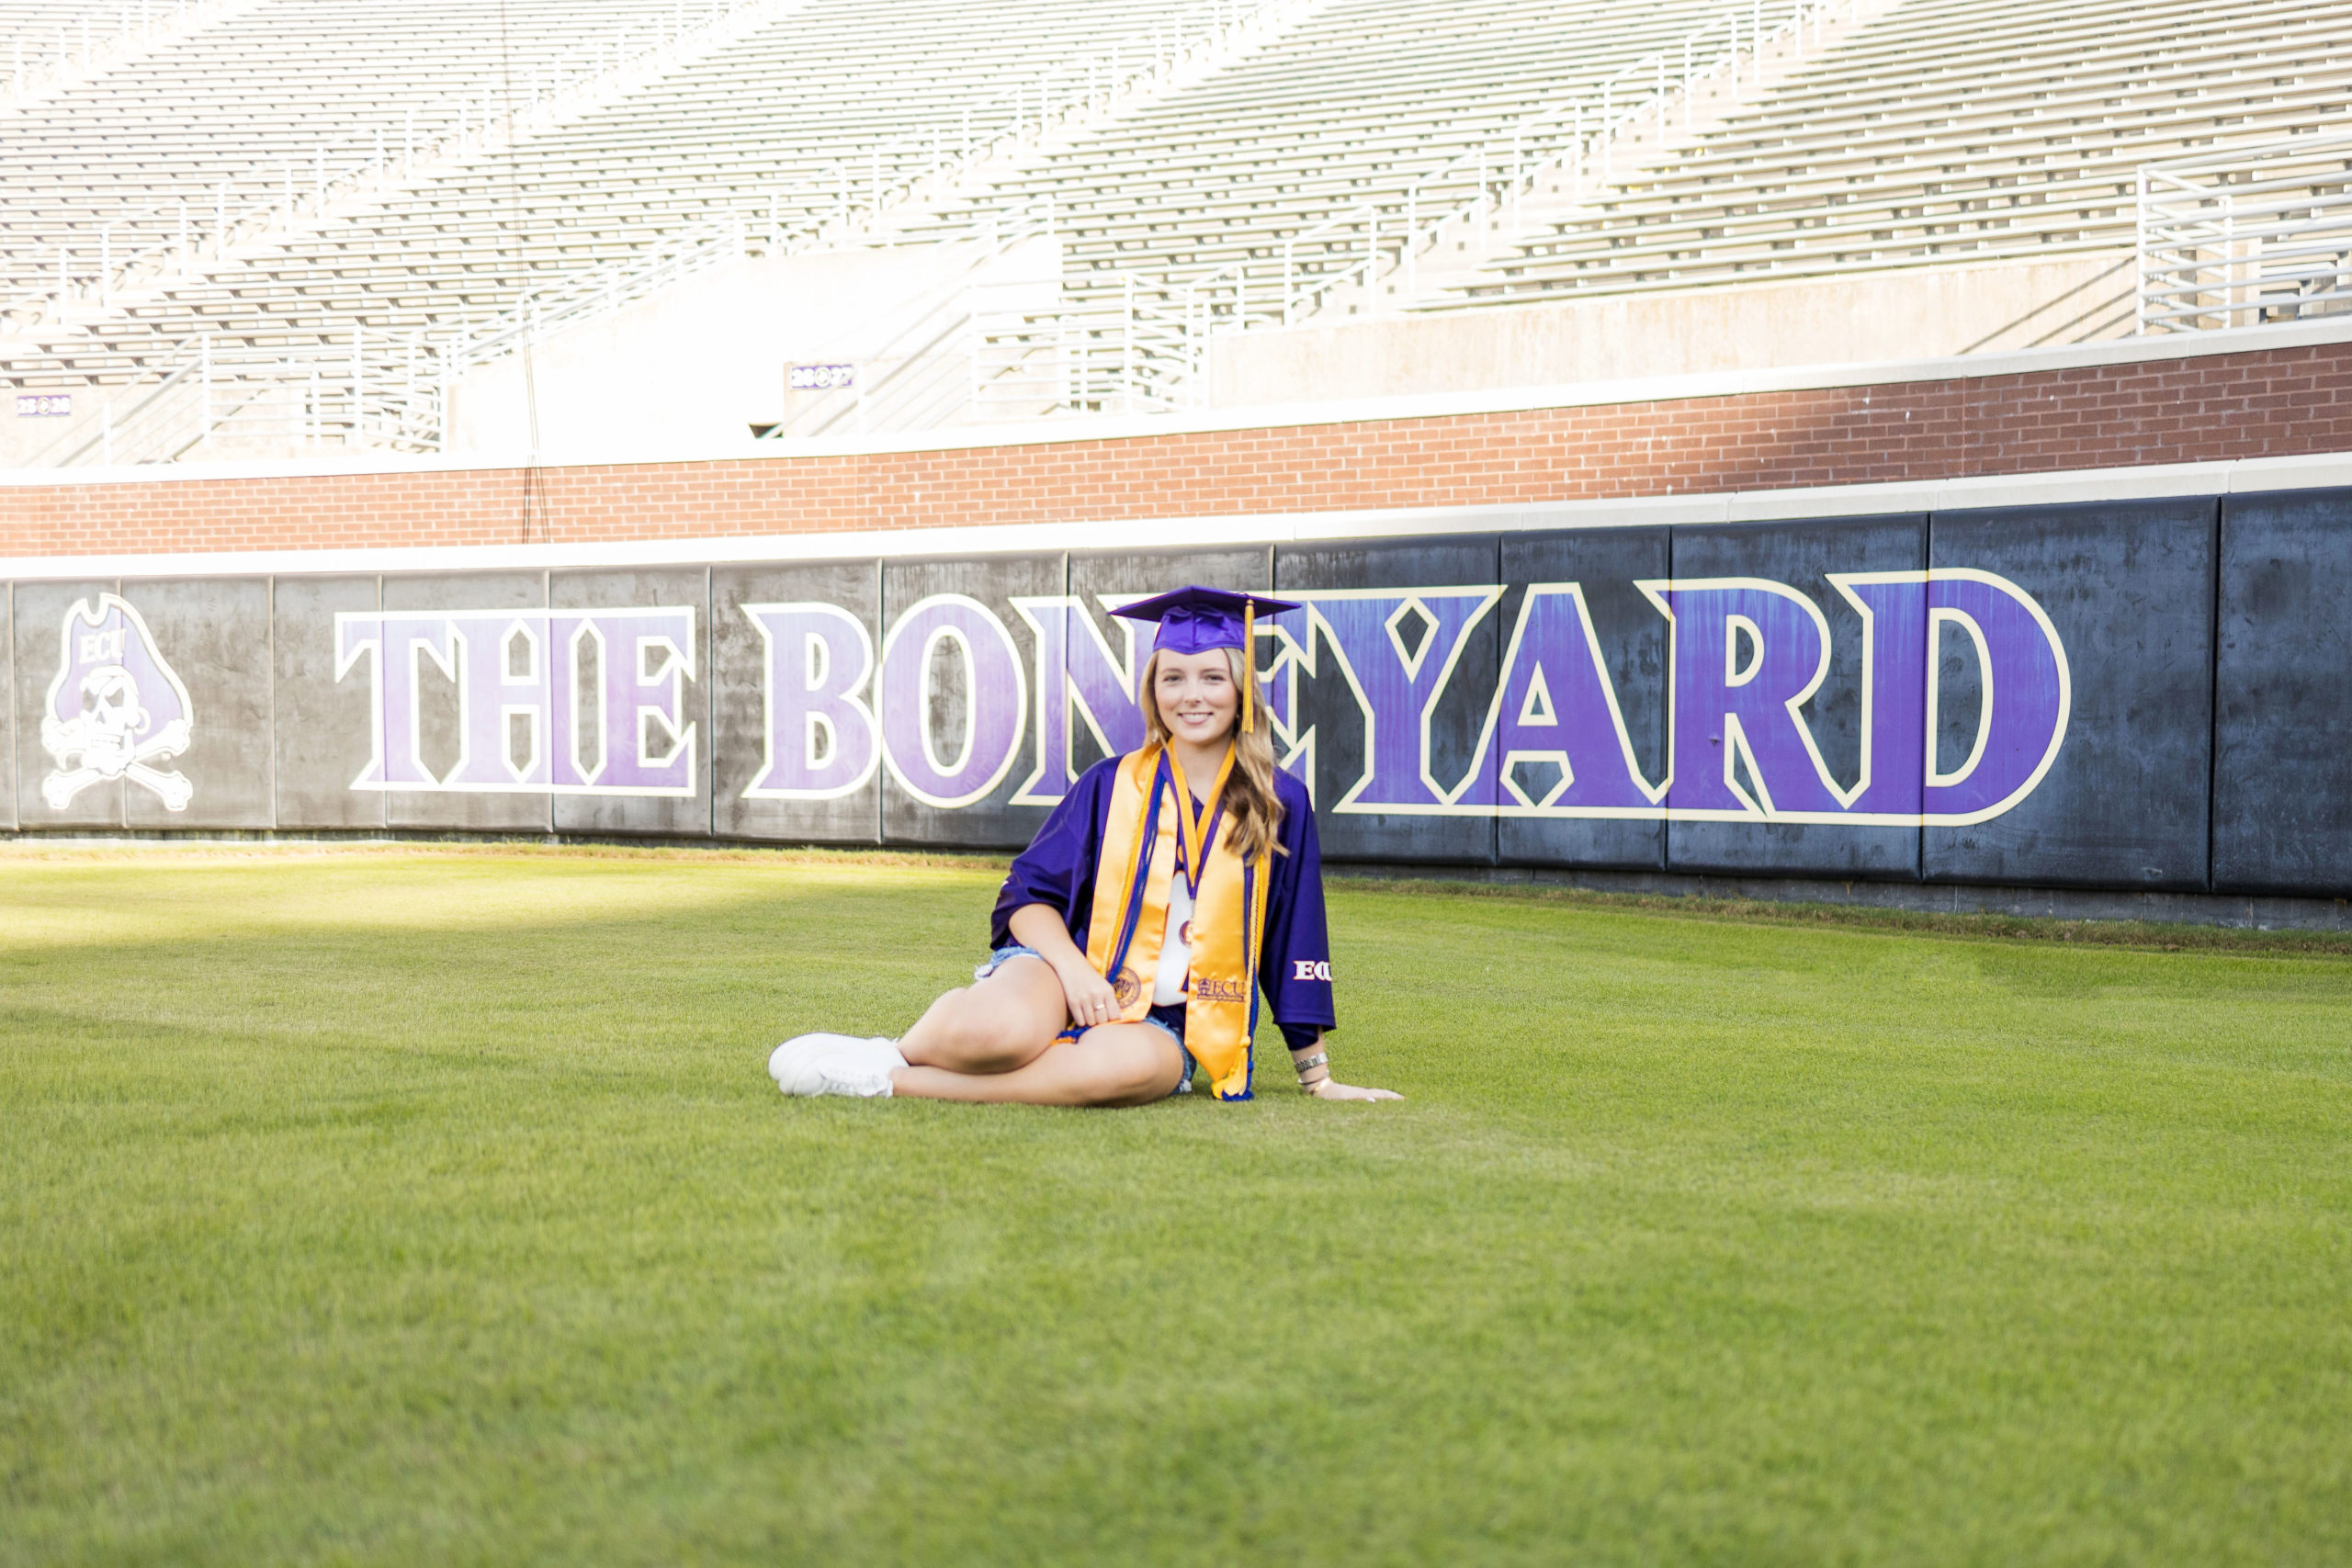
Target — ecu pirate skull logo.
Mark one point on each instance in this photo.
(115, 709)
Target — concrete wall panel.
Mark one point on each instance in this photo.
(324, 728)
(2283, 724)
(216, 633)
(685, 588)
(866, 308)
(957, 680)
(1881, 317)
(38, 634)
(1801, 556)
(522, 812)
(819, 780)
(2128, 588)
(1380, 656)
(1604, 563)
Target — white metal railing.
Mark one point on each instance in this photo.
(374, 391)
(1142, 352)
(179, 234)
(2246, 235)
(926, 374)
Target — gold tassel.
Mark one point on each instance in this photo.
(1248, 663)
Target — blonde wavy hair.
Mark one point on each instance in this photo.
(1253, 812)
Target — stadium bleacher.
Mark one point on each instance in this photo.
(1948, 130)
(1348, 109)
(234, 110)
(744, 127)
(381, 214)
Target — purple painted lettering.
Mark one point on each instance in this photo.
(993, 700)
(1747, 655)
(2026, 694)
(818, 730)
(1399, 650)
(1556, 739)
(1079, 680)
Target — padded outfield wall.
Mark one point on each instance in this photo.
(2058, 631)
(2135, 695)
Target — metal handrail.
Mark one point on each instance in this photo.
(378, 390)
(906, 355)
(105, 437)
(2255, 239)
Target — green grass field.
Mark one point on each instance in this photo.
(419, 1207)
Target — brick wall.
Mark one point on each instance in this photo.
(2272, 403)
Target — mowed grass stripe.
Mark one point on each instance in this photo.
(415, 1206)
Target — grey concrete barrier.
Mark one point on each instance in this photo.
(2144, 697)
(8, 711)
(325, 725)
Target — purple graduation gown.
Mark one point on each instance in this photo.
(1294, 964)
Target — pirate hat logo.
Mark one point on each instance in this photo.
(116, 708)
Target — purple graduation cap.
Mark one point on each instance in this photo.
(1194, 620)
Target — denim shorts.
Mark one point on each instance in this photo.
(1169, 1019)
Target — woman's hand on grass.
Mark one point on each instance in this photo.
(1091, 999)
(1332, 1089)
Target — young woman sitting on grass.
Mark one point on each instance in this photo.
(1134, 936)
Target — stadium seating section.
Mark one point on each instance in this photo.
(1952, 130)
(1348, 109)
(1930, 132)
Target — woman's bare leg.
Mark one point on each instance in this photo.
(1111, 1064)
(993, 1025)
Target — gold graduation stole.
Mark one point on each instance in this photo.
(1154, 834)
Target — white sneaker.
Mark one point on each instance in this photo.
(835, 1063)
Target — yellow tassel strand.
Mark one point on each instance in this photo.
(1249, 664)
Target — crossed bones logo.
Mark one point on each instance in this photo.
(115, 709)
